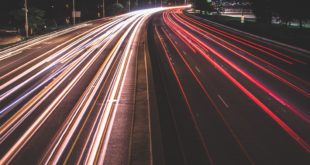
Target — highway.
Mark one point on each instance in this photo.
(60, 92)
(222, 96)
(228, 97)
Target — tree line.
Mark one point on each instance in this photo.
(285, 10)
(265, 10)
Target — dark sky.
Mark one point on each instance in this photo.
(11, 4)
(59, 6)
(89, 8)
(44, 4)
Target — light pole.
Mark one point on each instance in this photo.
(26, 18)
(103, 12)
(73, 11)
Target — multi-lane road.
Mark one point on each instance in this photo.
(228, 97)
(223, 96)
(60, 92)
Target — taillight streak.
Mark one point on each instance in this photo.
(274, 95)
(236, 138)
(285, 127)
(251, 44)
(185, 98)
(240, 49)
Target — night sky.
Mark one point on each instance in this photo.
(89, 8)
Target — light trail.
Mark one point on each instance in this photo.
(73, 48)
(63, 67)
(290, 106)
(207, 34)
(84, 104)
(202, 48)
(253, 45)
(273, 94)
(234, 135)
(201, 138)
(10, 52)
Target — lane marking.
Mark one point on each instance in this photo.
(226, 105)
(148, 106)
(197, 69)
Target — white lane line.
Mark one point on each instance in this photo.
(197, 69)
(226, 105)
(148, 105)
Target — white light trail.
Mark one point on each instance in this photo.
(126, 29)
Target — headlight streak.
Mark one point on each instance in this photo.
(62, 59)
(71, 60)
(8, 53)
(100, 143)
(81, 108)
(24, 95)
(86, 54)
(79, 60)
(75, 64)
(54, 57)
(75, 42)
(36, 101)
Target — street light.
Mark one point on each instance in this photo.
(26, 18)
(73, 11)
(137, 3)
(103, 12)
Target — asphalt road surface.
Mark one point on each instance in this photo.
(223, 96)
(227, 97)
(60, 92)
